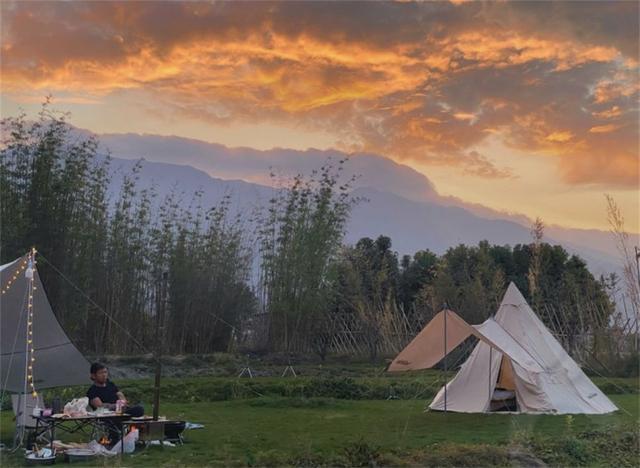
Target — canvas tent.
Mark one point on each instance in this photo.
(515, 354)
(57, 361)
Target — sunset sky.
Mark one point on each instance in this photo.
(524, 107)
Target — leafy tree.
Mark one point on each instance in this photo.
(115, 255)
(415, 272)
(369, 280)
(299, 236)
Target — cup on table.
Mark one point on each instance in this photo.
(119, 406)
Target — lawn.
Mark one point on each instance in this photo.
(272, 430)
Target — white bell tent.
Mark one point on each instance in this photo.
(516, 360)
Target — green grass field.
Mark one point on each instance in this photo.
(245, 429)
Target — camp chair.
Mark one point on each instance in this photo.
(24, 416)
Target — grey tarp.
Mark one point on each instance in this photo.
(57, 361)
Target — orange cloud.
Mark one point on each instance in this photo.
(428, 83)
(614, 111)
(559, 137)
(464, 116)
(603, 128)
(608, 91)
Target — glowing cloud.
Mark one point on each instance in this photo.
(425, 82)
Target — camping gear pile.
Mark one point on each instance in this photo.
(76, 407)
(81, 451)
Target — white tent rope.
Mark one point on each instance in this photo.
(444, 375)
(585, 365)
(6, 380)
(113, 320)
(532, 348)
(13, 348)
(611, 382)
(525, 349)
(19, 442)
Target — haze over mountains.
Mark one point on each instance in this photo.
(400, 202)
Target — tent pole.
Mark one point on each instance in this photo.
(490, 350)
(158, 346)
(27, 361)
(26, 373)
(445, 360)
(637, 252)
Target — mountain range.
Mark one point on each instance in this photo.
(397, 201)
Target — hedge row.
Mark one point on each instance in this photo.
(221, 389)
(342, 388)
(203, 389)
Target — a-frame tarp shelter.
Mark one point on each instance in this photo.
(57, 361)
(516, 351)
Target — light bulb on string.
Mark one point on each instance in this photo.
(28, 267)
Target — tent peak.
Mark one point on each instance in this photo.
(513, 296)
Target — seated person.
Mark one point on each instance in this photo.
(104, 393)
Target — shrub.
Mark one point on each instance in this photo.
(269, 458)
(615, 446)
(464, 455)
(295, 402)
(361, 453)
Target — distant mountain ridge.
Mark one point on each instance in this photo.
(412, 225)
(375, 171)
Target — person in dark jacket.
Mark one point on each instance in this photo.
(104, 393)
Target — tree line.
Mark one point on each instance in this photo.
(131, 256)
(110, 265)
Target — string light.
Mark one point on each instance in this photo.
(12, 279)
(29, 274)
(27, 264)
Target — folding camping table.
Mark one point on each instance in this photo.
(80, 424)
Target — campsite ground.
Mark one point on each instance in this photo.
(324, 418)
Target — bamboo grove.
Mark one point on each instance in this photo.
(279, 280)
